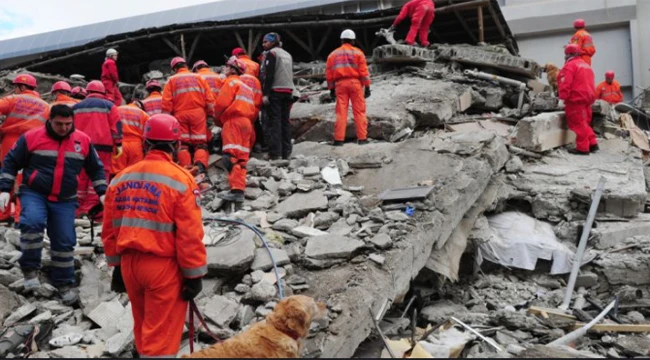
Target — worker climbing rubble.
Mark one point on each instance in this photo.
(609, 90)
(152, 235)
(584, 41)
(349, 81)
(235, 110)
(189, 99)
(24, 110)
(52, 157)
(252, 67)
(421, 13)
(62, 91)
(576, 88)
(100, 120)
(133, 119)
(111, 78)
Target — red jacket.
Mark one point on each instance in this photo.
(99, 119)
(411, 8)
(110, 78)
(576, 82)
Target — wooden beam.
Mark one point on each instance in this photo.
(323, 40)
(255, 42)
(617, 328)
(300, 42)
(172, 46)
(481, 27)
(535, 310)
(193, 47)
(250, 41)
(496, 20)
(465, 26)
(183, 47)
(239, 40)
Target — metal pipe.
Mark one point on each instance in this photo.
(577, 260)
(489, 77)
(575, 335)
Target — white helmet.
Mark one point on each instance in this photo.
(348, 35)
(111, 52)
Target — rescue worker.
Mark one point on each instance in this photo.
(78, 93)
(276, 75)
(347, 77)
(255, 85)
(62, 91)
(188, 97)
(252, 67)
(214, 82)
(99, 119)
(51, 156)
(153, 230)
(422, 13)
(153, 102)
(235, 110)
(110, 77)
(609, 90)
(584, 41)
(133, 119)
(576, 88)
(24, 110)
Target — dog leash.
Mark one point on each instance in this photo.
(193, 309)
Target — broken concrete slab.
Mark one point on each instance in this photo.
(381, 241)
(106, 313)
(119, 342)
(298, 205)
(306, 231)
(332, 247)
(8, 302)
(612, 234)
(489, 57)
(234, 257)
(263, 262)
(625, 269)
(542, 132)
(19, 314)
(221, 310)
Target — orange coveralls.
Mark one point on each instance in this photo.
(189, 98)
(153, 103)
(133, 120)
(254, 83)
(153, 229)
(24, 111)
(610, 93)
(347, 72)
(235, 110)
(65, 100)
(586, 44)
(252, 67)
(214, 81)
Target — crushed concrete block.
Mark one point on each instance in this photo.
(381, 241)
(107, 313)
(8, 277)
(377, 258)
(298, 205)
(332, 247)
(633, 345)
(221, 310)
(119, 342)
(514, 165)
(625, 269)
(366, 161)
(253, 193)
(325, 219)
(306, 231)
(19, 314)
(262, 292)
(542, 132)
(310, 170)
(537, 86)
(42, 317)
(262, 260)
(69, 352)
(8, 302)
(234, 257)
(401, 54)
(613, 234)
(490, 57)
(544, 102)
(245, 315)
(586, 279)
(601, 107)
(285, 225)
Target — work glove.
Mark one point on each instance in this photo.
(117, 283)
(391, 28)
(118, 151)
(333, 93)
(4, 200)
(367, 93)
(102, 198)
(266, 101)
(191, 288)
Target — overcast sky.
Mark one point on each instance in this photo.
(26, 17)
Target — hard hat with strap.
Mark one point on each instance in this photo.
(61, 86)
(96, 86)
(25, 79)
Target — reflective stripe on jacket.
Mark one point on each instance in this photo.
(62, 99)
(347, 62)
(99, 119)
(153, 103)
(256, 86)
(213, 79)
(236, 99)
(133, 120)
(610, 93)
(187, 91)
(24, 111)
(585, 42)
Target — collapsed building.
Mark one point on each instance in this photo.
(465, 208)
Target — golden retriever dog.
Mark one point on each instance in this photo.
(279, 336)
(552, 72)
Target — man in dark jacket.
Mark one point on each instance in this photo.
(51, 158)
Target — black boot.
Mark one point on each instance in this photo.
(576, 152)
(594, 148)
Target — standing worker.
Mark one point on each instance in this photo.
(576, 88)
(99, 119)
(584, 41)
(422, 13)
(110, 77)
(277, 87)
(235, 110)
(214, 82)
(153, 230)
(133, 119)
(78, 93)
(24, 110)
(189, 99)
(153, 102)
(255, 85)
(609, 90)
(62, 91)
(347, 76)
(52, 156)
(252, 67)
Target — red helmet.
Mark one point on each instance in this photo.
(199, 63)
(153, 84)
(239, 65)
(238, 51)
(96, 86)
(579, 23)
(571, 49)
(609, 75)
(25, 79)
(162, 127)
(78, 90)
(175, 61)
(61, 86)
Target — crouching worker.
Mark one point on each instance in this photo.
(153, 236)
(51, 158)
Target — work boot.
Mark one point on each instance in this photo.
(337, 143)
(577, 152)
(69, 295)
(594, 148)
(363, 142)
(232, 196)
(31, 283)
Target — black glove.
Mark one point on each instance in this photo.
(191, 288)
(391, 28)
(117, 283)
(367, 93)
(333, 93)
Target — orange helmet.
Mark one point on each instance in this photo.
(25, 79)
(609, 75)
(162, 127)
(96, 86)
(579, 23)
(61, 86)
(175, 61)
(572, 49)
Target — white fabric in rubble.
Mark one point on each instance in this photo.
(518, 240)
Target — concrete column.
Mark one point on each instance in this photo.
(643, 28)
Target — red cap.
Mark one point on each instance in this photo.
(25, 79)
(61, 86)
(571, 49)
(238, 51)
(162, 127)
(199, 63)
(579, 23)
(609, 75)
(152, 84)
(175, 61)
(96, 86)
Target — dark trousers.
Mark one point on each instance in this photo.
(278, 127)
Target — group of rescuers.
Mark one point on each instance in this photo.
(63, 155)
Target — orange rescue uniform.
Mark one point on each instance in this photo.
(62, 99)
(153, 229)
(256, 86)
(214, 81)
(24, 111)
(189, 98)
(252, 67)
(153, 103)
(586, 44)
(610, 93)
(133, 120)
(347, 72)
(235, 110)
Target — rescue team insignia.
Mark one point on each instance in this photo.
(197, 195)
(77, 147)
